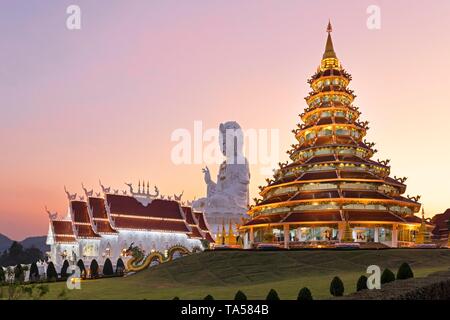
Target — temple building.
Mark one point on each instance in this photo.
(104, 226)
(332, 191)
(441, 231)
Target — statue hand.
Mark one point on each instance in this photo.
(207, 175)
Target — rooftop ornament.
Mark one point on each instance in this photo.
(70, 196)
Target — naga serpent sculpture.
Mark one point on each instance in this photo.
(139, 261)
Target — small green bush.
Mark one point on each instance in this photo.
(64, 268)
(304, 294)
(108, 268)
(272, 295)
(120, 267)
(362, 283)
(240, 296)
(51, 272)
(19, 275)
(337, 287)
(208, 297)
(404, 272)
(176, 298)
(34, 272)
(94, 269)
(80, 265)
(387, 276)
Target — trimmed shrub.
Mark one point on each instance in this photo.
(108, 268)
(304, 294)
(362, 283)
(404, 272)
(208, 297)
(64, 268)
(34, 272)
(387, 276)
(120, 267)
(94, 269)
(176, 298)
(337, 287)
(80, 264)
(240, 296)
(272, 295)
(51, 272)
(19, 275)
(2, 275)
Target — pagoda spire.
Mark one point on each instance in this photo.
(329, 49)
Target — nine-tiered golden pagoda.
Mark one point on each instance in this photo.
(332, 192)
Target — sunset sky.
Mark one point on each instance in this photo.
(102, 102)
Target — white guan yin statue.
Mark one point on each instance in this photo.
(227, 199)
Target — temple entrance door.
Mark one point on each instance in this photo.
(361, 234)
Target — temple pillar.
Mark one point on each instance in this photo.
(394, 236)
(376, 234)
(341, 229)
(286, 236)
(252, 236)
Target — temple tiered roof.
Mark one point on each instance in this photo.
(107, 216)
(332, 176)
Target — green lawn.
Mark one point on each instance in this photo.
(222, 273)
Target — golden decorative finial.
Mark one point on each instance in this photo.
(329, 50)
(329, 27)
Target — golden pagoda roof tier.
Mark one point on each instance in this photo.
(333, 217)
(326, 195)
(295, 153)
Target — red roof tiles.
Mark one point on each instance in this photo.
(81, 220)
(100, 216)
(193, 224)
(158, 208)
(62, 231)
(203, 226)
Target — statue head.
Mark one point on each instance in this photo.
(231, 141)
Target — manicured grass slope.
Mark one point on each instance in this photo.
(222, 273)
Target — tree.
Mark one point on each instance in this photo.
(240, 296)
(2, 275)
(34, 272)
(80, 265)
(272, 295)
(64, 268)
(387, 276)
(94, 269)
(108, 268)
(16, 250)
(337, 287)
(120, 267)
(208, 297)
(404, 272)
(19, 275)
(304, 294)
(362, 283)
(51, 272)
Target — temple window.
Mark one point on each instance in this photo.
(342, 132)
(310, 135)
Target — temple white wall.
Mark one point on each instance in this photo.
(112, 246)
